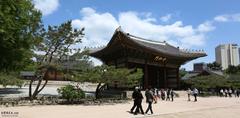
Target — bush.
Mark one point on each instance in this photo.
(10, 79)
(70, 93)
(207, 82)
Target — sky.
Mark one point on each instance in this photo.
(189, 24)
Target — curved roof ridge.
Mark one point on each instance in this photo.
(191, 51)
(140, 38)
(146, 40)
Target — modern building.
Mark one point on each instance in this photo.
(239, 54)
(199, 67)
(227, 54)
(159, 61)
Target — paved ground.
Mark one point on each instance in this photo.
(50, 89)
(212, 107)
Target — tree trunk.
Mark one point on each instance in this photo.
(97, 93)
(30, 89)
(99, 89)
(37, 90)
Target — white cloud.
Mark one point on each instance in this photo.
(99, 27)
(166, 18)
(177, 33)
(221, 19)
(87, 11)
(46, 6)
(228, 18)
(206, 27)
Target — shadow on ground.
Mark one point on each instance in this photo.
(4, 91)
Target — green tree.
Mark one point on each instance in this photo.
(214, 66)
(20, 30)
(70, 93)
(104, 75)
(232, 69)
(207, 82)
(182, 72)
(56, 44)
(10, 79)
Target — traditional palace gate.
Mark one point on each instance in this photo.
(159, 60)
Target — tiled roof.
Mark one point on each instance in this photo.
(159, 47)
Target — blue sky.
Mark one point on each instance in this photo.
(191, 24)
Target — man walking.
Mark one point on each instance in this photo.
(149, 100)
(168, 95)
(134, 97)
(172, 94)
(195, 93)
(139, 98)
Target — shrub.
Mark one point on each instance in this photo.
(70, 93)
(10, 79)
(207, 82)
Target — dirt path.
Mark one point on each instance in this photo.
(212, 107)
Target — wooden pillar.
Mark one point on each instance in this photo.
(178, 79)
(165, 77)
(145, 75)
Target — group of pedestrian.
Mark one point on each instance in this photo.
(137, 101)
(229, 92)
(193, 92)
(151, 97)
(166, 94)
(138, 97)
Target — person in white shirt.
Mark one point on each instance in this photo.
(221, 93)
(230, 92)
(226, 92)
(189, 94)
(195, 93)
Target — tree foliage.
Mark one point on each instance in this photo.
(206, 82)
(70, 93)
(107, 75)
(56, 45)
(20, 30)
(214, 66)
(182, 72)
(233, 69)
(212, 82)
(10, 79)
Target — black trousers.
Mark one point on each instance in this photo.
(139, 107)
(195, 96)
(149, 107)
(134, 106)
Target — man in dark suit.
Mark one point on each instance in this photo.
(134, 97)
(139, 98)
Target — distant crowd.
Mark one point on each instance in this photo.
(152, 96)
(229, 92)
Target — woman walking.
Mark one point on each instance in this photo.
(189, 92)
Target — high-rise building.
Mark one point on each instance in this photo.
(227, 54)
(239, 54)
